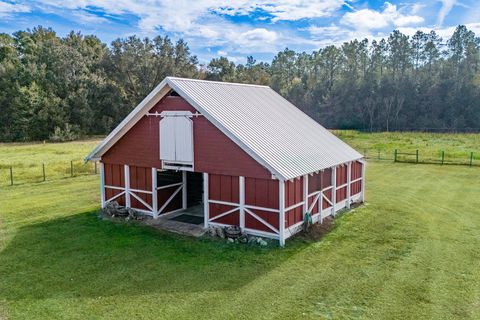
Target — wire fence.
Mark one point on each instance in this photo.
(41, 172)
(418, 156)
(48, 171)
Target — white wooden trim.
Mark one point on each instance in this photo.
(315, 200)
(226, 203)
(127, 185)
(114, 187)
(261, 208)
(115, 196)
(184, 190)
(169, 199)
(320, 205)
(363, 181)
(205, 200)
(327, 188)
(170, 185)
(102, 185)
(334, 190)
(140, 191)
(281, 216)
(356, 180)
(154, 193)
(223, 214)
(349, 186)
(241, 197)
(342, 186)
(305, 195)
(260, 233)
(265, 223)
(293, 206)
(326, 199)
(140, 200)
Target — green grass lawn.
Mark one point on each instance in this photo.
(457, 147)
(26, 159)
(413, 252)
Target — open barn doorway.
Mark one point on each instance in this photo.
(180, 196)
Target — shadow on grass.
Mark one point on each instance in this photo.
(82, 256)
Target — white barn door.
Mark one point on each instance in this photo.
(183, 139)
(176, 138)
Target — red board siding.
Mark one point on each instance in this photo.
(164, 194)
(230, 219)
(114, 176)
(214, 152)
(356, 187)
(223, 188)
(356, 170)
(327, 182)
(270, 217)
(341, 175)
(261, 193)
(141, 179)
(293, 195)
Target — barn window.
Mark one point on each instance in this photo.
(176, 140)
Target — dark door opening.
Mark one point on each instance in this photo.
(194, 189)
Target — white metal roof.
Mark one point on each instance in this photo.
(268, 127)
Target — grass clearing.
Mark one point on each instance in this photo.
(412, 252)
(26, 160)
(457, 146)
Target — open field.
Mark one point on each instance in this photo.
(26, 159)
(457, 146)
(412, 252)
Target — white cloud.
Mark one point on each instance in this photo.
(447, 5)
(84, 17)
(258, 35)
(368, 19)
(7, 8)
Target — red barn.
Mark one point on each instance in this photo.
(242, 153)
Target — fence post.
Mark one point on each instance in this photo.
(71, 168)
(43, 168)
(395, 156)
(471, 159)
(443, 157)
(417, 155)
(11, 176)
(95, 167)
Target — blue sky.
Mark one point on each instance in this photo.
(238, 28)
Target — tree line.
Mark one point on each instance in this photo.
(61, 88)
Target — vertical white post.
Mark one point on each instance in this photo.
(305, 194)
(363, 180)
(241, 197)
(154, 193)
(205, 200)
(184, 190)
(102, 184)
(127, 185)
(334, 189)
(320, 201)
(349, 178)
(281, 212)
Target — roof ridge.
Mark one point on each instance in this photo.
(220, 82)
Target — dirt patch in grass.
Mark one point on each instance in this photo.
(318, 230)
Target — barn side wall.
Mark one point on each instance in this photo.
(256, 211)
(214, 152)
(327, 192)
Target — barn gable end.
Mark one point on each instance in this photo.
(214, 152)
